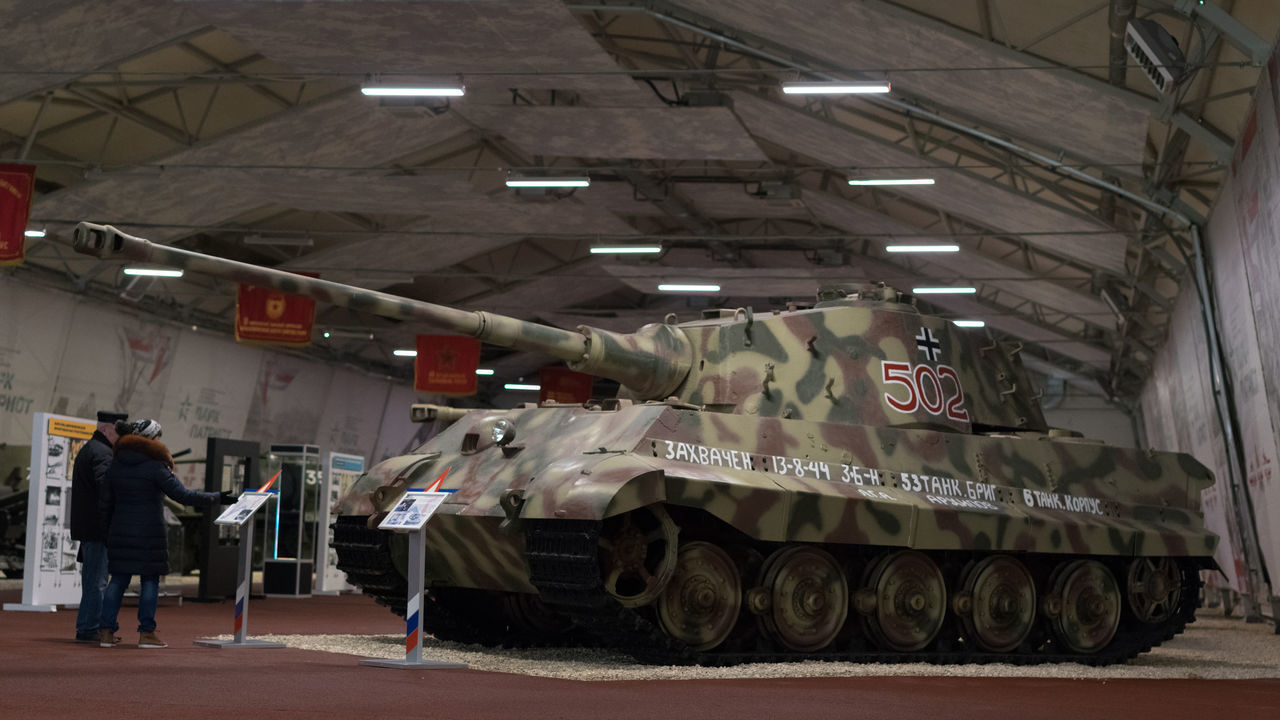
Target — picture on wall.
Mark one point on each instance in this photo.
(76, 444)
(56, 458)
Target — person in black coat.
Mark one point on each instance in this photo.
(88, 474)
(131, 508)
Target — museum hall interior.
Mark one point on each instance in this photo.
(549, 358)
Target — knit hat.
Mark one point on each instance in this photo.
(147, 428)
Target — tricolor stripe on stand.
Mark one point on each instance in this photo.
(411, 623)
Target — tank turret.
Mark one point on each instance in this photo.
(862, 354)
(850, 479)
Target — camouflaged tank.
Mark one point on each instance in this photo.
(851, 480)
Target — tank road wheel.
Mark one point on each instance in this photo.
(998, 604)
(1155, 587)
(808, 597)
(638, 555)
(910, 599)
(1089, 606)
(699, 607)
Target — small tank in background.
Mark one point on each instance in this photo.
(14, 470)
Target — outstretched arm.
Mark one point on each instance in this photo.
(174, 488)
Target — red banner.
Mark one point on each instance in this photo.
(17, 185)
(264, 315)
(562, 385)
(446, 364)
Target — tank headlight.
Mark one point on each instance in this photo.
(503, 431)
(487, 433)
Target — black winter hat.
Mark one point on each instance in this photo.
(108, 416)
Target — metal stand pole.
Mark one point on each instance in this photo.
(413, 613)
(242, 599)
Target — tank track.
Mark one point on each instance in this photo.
(564, 566)
(363, 554)
(459, 615)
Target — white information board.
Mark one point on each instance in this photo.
(413, 511)
(239, 512)
(341, 472)
(50, 576)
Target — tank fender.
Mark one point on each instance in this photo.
(367, 495)
(609, 487)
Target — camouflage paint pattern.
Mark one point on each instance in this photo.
(782, 480)
(857, 421)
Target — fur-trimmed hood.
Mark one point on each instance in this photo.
(130, 447)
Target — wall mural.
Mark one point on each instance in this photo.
(1241, 244)
(58, 354)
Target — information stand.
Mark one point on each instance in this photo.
(411, 515)
(241, 514)
(49, 575)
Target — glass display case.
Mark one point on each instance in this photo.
(289, 540)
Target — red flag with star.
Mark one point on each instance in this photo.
(17, 184)
(446, 364)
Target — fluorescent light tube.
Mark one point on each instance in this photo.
(34, 233)
(625, 249)
(380, 91)
(404, 353)
(891, 181)
(153, 272)
(483, 371)
(944, 290)
(921, 248)
(688, 288)
(517, 182)
(521, 386)
(970, 323)
(859, 87)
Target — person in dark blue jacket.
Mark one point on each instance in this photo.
(131, 508)
(88, 475)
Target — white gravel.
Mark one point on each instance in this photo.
(1213, 647)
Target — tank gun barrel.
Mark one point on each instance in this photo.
(650, 362)
(430, 412)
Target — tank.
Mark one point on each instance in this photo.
(850, 480)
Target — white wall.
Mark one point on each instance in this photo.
(1093, 417)
(61, 353)
(1178, 406)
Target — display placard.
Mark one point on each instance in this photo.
(413, 511)
(342, 471)
(50, 576)
(239, 512)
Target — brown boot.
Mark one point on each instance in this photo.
(107, 638)
(150, 640)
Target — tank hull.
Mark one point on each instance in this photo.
(755, 488)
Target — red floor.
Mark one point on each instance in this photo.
(44, 674)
